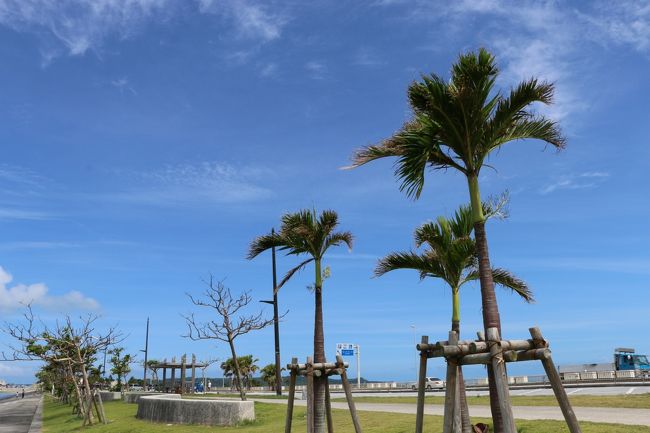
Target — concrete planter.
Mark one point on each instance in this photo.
(110, 396)
(134, 397)
(170, 408)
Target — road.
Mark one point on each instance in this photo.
(593, 414)
(21, 415)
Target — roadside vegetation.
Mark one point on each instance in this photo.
(270, 418)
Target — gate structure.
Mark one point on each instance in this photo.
(311, 370)
(484, 351)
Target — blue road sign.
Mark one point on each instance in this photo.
(347, 352)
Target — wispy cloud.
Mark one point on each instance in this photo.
(203, 184)
(78, 25)
(545, 39)
(584, 180)
(316, 70)
(624, 22)
(20, 214)
(123, 85)
(35, 245)
(367, 57)
(19, 295)
(269, 70)
(252, 19)
(74, 27)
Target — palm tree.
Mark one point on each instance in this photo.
(268, 375)
(307, 233)
(451, 256)
(457, 124)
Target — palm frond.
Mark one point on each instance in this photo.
(263, 243)
(537, 128)
(508, 280)
(291, 273)
(403, 260)
(336, 239)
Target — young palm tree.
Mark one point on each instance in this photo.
(451, 256)
(457, 124)
(306, 233)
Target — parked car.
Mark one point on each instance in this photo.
(431, 383)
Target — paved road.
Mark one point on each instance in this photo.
(594, 414)
(22, 415)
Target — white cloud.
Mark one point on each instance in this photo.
(35, 245)
(269, 70)
(19, 214)
(123, 85)
(584, 180)
(252, 19)
(203, 184)
(75, 27)
(625, 22)
(79, 25)
(19, 295)
(316, 70)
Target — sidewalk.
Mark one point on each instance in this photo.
(18, 415)
(592, 414)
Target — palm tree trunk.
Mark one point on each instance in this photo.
(319, 353)
(455, 326)
(491, 318)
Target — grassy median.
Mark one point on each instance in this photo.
(270, 419)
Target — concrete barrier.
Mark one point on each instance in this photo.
(134, 397)
(170, 408)
(110, 396)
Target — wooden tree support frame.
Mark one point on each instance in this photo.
(310, 370)
(485, 351)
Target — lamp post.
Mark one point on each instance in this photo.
(276, 325)
(146, 352)
(415, 364)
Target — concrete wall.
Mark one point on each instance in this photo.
(110, 396)
(134, 397)
(170, 408)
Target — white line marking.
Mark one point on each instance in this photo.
(630, 391)
(574, 391)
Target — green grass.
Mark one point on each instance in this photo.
(634, 401)
(270, 419)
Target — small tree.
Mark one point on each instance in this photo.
(69, 348)
(226, 327)
(268, 375)
(121, 366)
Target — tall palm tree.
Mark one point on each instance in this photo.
(457, 124)
(450, 255)
(307, 233)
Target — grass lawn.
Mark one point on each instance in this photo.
(270, 419)
(634, 401)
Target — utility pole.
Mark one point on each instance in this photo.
(146, 352)
(276, 326)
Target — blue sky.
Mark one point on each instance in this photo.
(144, 143)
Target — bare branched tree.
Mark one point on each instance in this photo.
(229, 324)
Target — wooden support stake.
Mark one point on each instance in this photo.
(328, 407)
(292, 395)
(556, 384)
(422, 373)
(348, 395)
(450, 390)
(310, 396)
(501, 380)
(101, 406)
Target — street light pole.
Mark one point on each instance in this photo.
(146, 352)
(276, 328)
(276, 324)
(415, 365)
